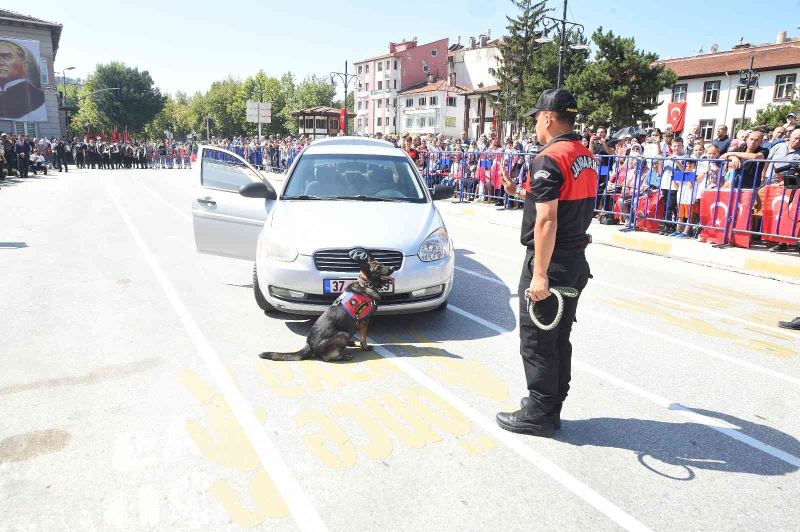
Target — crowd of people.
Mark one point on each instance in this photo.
(23, 155)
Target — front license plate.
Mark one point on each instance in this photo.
(337, 286)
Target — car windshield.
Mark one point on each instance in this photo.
(354, 177)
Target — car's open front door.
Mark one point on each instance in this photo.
(226, 223)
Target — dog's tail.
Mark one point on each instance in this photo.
(297, 355)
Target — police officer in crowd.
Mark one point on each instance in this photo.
(559, 205)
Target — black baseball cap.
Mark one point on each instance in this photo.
(555, 100)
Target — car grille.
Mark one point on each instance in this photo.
(338, 260)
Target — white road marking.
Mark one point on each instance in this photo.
(182, 214)
(661, 336)
(303, 512)
(663, 299)
(723, 428)
(516, 444)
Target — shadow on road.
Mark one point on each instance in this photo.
(676, 450)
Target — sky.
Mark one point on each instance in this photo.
(186, 45)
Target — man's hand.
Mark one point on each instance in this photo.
(735, 163)
(540, 288)
(509, 187)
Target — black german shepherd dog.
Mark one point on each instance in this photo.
(331, 333)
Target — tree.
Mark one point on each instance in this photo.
(313, 91)
(135, 102)
(621, 86)
(542, 72)
(517, 51)
(774, 115)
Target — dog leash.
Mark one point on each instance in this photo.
(536, 316)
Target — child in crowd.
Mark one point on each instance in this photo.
(688, 205)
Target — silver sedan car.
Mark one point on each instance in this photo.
(339, 194)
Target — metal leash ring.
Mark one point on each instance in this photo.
(560, 292)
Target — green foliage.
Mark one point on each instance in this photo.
(136, 102)
(774, 115)
(311, 92)
(517, 51)
(621, 85)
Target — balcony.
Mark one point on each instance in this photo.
(380, 92)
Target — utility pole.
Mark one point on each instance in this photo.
(208, 128)
(748, 78)
(345, 77)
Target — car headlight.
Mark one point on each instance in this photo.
(435, 247)
(279, 248)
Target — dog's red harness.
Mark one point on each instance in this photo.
(358, 306)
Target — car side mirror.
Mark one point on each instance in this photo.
(258, 189)
(442, 192)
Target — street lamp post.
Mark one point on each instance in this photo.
(64, 99)
(748, 78)
(552, 24)
(345, 77)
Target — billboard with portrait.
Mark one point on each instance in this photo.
(21, 94)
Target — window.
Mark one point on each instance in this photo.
(421, 121)
(321, 123)
(44, 71)
(737, 122)
(679, 93)
(433, 100)
(711, 92)
(366, 86)
(434, 52)
(26, 128)
(394, 102)
(425, 67)
(395, 65)
(707, 130)
(409, 102)
(647, 124)
(421, 101)
(333, 124)
(387, 64)
(409, 122)
(366, 69)
(309, 123)
(431, 121)
(359, 86)
(380, 66)
(359, 122)
(784, 86)
(379, 120)
(221, 171)
(394, 82)
(378, 103)
(451, 101)
(740, 94)
(359, 105)
(380, 85)
(360, 69)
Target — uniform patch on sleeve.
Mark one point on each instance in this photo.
(541, 174)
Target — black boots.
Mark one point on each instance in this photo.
(793, 325)
(556, 415)
(530, 420)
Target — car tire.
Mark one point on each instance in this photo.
(442, 307)
(261, 301)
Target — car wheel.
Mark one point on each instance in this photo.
(442, 307)
(261, 301)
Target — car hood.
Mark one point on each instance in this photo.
(313, 225)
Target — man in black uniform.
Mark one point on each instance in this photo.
(559, 205)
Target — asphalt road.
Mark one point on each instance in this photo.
(132, 397)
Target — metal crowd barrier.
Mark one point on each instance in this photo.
(707, 199)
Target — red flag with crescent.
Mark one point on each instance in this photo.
(342, 118)
(676, 115)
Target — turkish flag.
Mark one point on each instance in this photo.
(648, 206)
(676, 116)
(781, 215)
(714, 206)
(342, 118)
(742, 217)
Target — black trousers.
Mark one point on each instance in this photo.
(22, 166)
(61, 160)
(547, 355)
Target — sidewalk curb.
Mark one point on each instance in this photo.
(758, 263)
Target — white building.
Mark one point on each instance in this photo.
(471, 67)
(710, 86)
(435, 107)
